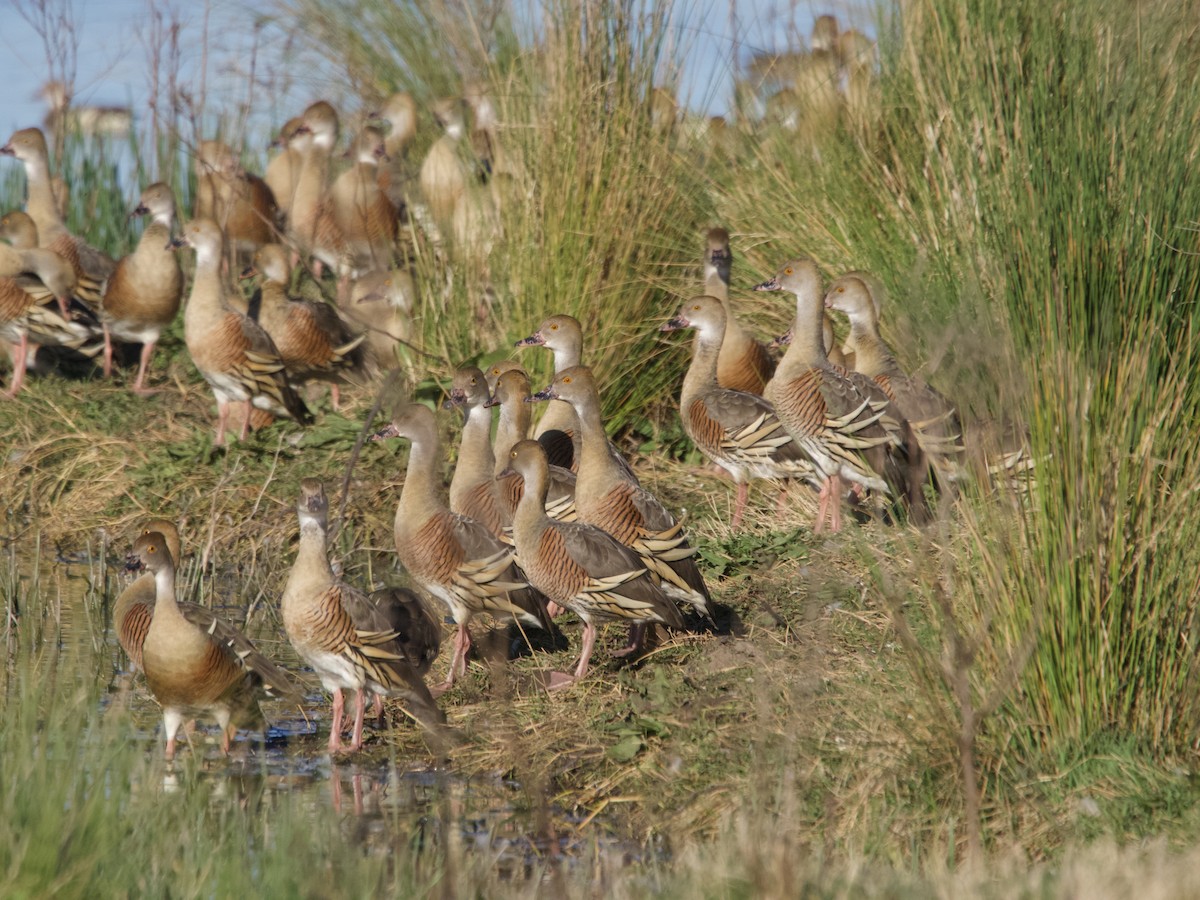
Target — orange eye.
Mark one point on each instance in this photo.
(841, 290)
(567, 380)
(787, 271)
(513, 455)
(696, 308)
(554, 328)
(151, 549)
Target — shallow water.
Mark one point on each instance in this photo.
(63, 626)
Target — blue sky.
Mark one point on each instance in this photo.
(116, 40)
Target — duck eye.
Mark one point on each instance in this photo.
(841, 290)
(554, 328)
(787, 271)
(696, 308)
(567, 380)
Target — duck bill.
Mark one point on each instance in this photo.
(678, 323)
(769, 285)
(457, 397)
(387, 431)
(133, 563)
(177, 243)
(783, 340)
(544, 394)
(534, 340)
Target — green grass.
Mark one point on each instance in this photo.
(1025, 194)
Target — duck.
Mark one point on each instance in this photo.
(348, 637)
(399, 112)
(558, 429)
(141, 298)
(76, 299)
(241, 202)
(607, 498)
(28, 281)
(512, 394)
(744, 364)
(737, 430)
(454, 559)
(473, 486)
(444, 177)
(381, 304)
(934, 419)
(134, 608)
(235, 355)
(311, 338)
(283, 169)
(361, 210)
(836, 424)
(197, 664)
(313, 142)
(29, 146)
(578, 566)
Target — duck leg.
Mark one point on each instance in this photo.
(589, 644)
(743, 494)
(18, 352)
(143, 365)
(360, 709)
(222, 420)
(637, 640)
(108, 352)
(335, 724)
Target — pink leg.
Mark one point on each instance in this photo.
(170, 748)
(64, 305)
(589, 644)
(743, 494)
(553, 609)
(18, 360)
(462, 644)
(835, 522)
(227, 738)
(335, 399)
(360, 710)
(823, 505)
(246, 421)
(335, 724)
(465, 638)
(377, 709)
(781, 501)
(222, 419)
(108, 352)
(143, 365)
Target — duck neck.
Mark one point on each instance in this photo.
(420, 498)
(596, 463)
(476, 461)
(515, 416)
(808, 333)
(165, 603)
(40, 203)
(702, 373)
(530, 518)
(871, 355)
(716, 282)
(566, 357)
(312, 559)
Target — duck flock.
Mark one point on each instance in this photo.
(537, 519)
